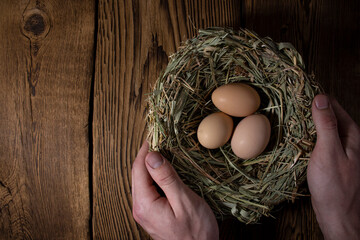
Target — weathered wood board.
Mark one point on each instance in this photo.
(73, 82)
(46, 59)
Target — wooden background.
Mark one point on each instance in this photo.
(73, 79)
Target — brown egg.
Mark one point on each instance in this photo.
(215, 130)
(236, 99)
(251, 136)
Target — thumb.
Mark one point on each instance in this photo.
(165, 176)
(325, 123)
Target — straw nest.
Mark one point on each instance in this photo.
(181, 98)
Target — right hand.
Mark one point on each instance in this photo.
(334, 171)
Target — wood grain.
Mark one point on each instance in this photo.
(46, 52)
(53, 181)
(135, 39)
(325, 35)
(325, 32)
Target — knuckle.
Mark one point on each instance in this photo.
(357, 131)
(354, 134)
(134, 166)
(329, 122)
(138, 212)
(167, 179)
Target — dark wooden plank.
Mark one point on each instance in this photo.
(326, 34)
(134, 40)
(46, 52)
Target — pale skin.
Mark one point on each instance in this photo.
(334, 171)
(333, 180)
(181, 214)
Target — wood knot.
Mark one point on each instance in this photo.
(35, 24)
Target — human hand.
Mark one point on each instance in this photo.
(333, 173)
(182, 214)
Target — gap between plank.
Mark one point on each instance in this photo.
(90, 123)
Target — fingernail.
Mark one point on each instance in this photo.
(322, 102)
(154, 160)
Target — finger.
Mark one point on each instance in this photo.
(349, 131)
(166, 177)
(346, 124)
(143, 190)
(326, 124)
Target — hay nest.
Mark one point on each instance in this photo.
(181, 98)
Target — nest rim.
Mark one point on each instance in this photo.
(180, 100)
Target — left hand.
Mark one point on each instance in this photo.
(182, 214)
